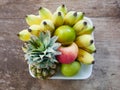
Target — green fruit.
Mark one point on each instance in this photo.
(66, 34)
(70, 69)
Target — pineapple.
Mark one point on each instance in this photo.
(41, 55)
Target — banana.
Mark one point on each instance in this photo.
(62, 9)
(79, 26)
(33, 19)
(84, 40)
(47, 25)
(80, 16)
(35, 30)
(24, 35)
(91, 49)
(45, 13)
(85, 57)
(72, 17)
(88, 30)
(58, 19)
(24, 48)
(83, 27)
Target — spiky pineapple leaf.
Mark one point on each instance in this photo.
(42, 51)
(53, 40)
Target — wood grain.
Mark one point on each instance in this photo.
(105, 15)
(94, 8)
(107, 57)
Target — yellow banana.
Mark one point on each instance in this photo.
(58, 19)
(88, 30)
(91, 49)
(24, 35)
(84, 40)
(33, 19)
(79, 26)
(83, 27)
(45, 13)
(72, 17)
(62, 9)
(47, 25)
(24, 48)
(85, 57)
(35, 30)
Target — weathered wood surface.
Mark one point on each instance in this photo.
(93, 8)
(13, 69)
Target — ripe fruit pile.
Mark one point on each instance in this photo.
(62, 39)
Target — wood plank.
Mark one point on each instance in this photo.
(95, 8)
(14, 71)
(107, 29)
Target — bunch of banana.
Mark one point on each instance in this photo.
(85, 41)
(46, 21)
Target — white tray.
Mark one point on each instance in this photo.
(84, 73)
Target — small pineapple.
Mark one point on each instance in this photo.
(41, 55)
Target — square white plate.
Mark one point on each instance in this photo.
(85, 71)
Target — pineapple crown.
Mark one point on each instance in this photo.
(41, 51)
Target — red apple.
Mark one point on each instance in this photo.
(68, 53)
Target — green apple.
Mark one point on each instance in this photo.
(66, 34)
(70, 69)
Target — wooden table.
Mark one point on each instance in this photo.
(13, 69)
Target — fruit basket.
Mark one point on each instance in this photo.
(59, 45)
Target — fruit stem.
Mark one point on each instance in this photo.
(29, 30)
(91, 41)
(26, 16)
(18, 35)
(75, 14)
(83, 13)
(40, 8)
(93, 62)
(93, 27)
(45, 23)
(59, 13)
(95, 51)
(63, 5)
(85, 23)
